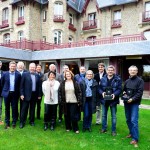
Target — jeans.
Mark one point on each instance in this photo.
(113, 116)
(1, 101)
(87, 113)
(132, 115)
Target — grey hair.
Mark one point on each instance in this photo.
(133, 67)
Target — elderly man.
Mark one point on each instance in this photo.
(10, 91)
(110, 88)
(133, 87)
(52, 67)
(30, 90)
(1, 98)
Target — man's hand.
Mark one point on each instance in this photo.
(22, 97)
(130, 100)
(103, 94)
(124, 92)
(113, 96)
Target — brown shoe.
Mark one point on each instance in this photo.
(129, 136)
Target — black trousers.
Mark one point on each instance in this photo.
(38, 108)
(28, 105)
(11, 100)
(71, 116)
(50, 113)
(60, 112)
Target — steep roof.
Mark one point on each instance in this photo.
(107, 3)
(77, 5)
(39, 1)
(107, 50)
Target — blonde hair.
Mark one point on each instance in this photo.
(72, 75)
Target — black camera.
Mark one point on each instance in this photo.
(127, 95)
(108, 93)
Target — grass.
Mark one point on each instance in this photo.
(145, 101)
(34, 138)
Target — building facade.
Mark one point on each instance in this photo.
(70, 21)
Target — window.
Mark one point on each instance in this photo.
(21, 11)
(5, 14)
(44, 39)
(71, 18)
(70, 39)
(57, 37)
(92, 16)
(147, 35)
(117, 17)
(6, 38)
(44, 16)
(147, 10)
(58, 9)
(20, 35)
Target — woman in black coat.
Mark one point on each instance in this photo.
(70, 98)
(89, 88)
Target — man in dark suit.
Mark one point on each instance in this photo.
(30, 90)
(10, 91)
(1, 98)
(21, 70)
(97, 77)
(38, 101)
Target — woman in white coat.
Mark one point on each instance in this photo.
(50, 90)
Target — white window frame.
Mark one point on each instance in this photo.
(20, 11)
(71, 18)
(6, 38)
(5, 14)
(58, 9)
(117, 15)
(20, 35)
(57, 36)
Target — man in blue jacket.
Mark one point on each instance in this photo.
(114, 82)
(134, 85)
(30, 90)
(10, 91)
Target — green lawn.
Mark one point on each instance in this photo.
(145, 101)
(34, 138)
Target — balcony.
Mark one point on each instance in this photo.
(20, 21)
(4, 24)
(40, 45)
(116, 24)
(91, 24)
(58, 18)
(146, 16)
(71, 27)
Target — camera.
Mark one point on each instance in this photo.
(108, 93)
(127, 95)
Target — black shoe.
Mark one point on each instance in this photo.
(13, 126)
(89, 129)
(103, 131)
(32, 124)
(7, 127)
(45, 127)
(52, 127)
(21, 125)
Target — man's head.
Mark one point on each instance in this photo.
(65, 68)
(32, 67)
(12, 66)
(101, 67)
(82, 70)
(52, 67)
(133, 70)
(38, 68)
(110, 71)
(20, 66)
(0, 64)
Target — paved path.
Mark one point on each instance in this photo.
(143, 106)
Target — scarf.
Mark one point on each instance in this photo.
(52, 82)
(88, 87)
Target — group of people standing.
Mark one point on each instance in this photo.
(85, 92)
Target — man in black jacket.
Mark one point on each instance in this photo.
(30, 90)
(135, 85)
(97, 77)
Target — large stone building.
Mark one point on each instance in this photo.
(57, 24)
